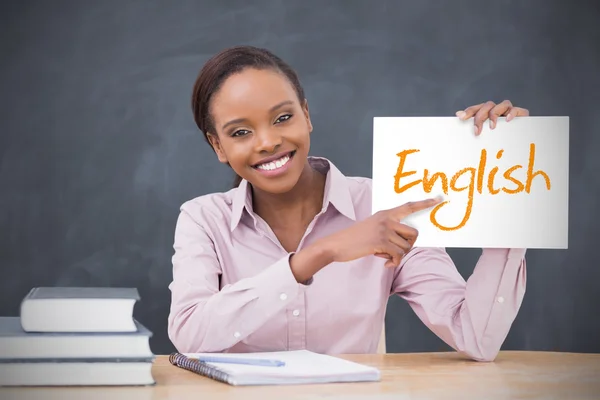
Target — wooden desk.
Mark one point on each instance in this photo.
(514, 375)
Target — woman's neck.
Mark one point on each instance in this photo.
(294, 208)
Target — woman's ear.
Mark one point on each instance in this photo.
(307, 115)
(216, 145)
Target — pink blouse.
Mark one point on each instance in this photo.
(233, 290)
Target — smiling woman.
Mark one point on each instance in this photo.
(216, 97)
(292, 258)
(261, 124)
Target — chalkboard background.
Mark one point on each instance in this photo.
(98, 148)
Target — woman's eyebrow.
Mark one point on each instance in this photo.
(233, 121)
(283, 103)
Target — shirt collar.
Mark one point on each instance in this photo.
(337, 193)
(242, 198)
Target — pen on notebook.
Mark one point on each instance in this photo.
(263, 362)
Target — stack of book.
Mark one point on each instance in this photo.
(74, 336)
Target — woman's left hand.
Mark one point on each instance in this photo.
(490, 110)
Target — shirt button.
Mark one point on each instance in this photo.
(236, 334)
(283, 296)
(296, 313)
(500, 299)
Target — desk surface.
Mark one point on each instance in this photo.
(514, 375)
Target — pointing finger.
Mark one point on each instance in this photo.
(416, 206)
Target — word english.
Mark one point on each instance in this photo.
(475, 182)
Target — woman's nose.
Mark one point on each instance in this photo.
(267, 140)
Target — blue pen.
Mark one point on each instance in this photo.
(263, 362)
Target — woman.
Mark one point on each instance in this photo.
(292, 257)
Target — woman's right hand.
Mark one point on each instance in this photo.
(382, 235)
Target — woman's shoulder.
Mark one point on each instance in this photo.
(336, 175)
(359, 183)
(209, 208)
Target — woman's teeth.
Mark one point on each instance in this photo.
(274, 164)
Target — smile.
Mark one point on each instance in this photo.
(276, 165)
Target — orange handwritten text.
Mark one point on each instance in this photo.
(476, 177)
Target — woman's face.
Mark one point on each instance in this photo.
(262, 129)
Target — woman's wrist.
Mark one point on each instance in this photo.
(311, 259)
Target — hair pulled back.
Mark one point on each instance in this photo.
(224, 64)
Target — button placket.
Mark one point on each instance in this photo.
(297, 323)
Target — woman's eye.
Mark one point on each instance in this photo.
(283, 118)
(239, 132)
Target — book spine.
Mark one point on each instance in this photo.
(199, 367)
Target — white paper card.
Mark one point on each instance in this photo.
(520, 190)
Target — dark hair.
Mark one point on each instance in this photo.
(224, 64)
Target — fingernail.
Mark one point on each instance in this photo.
(508, 117)
(460, 114)
(476, 130)
(492, 124)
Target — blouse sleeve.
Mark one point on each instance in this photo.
(473, 317)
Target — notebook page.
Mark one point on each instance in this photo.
(299, 364)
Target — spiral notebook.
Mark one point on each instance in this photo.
(301, 367)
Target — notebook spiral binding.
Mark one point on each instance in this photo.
(198, 367)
